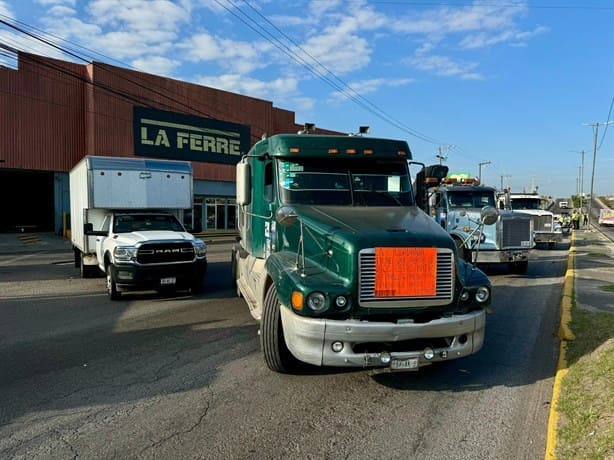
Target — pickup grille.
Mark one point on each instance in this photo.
(516, 231)
(165, 253)
(367, 276)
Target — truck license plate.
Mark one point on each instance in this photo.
(168, 281)
(407, 363)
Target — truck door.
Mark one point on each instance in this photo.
(106, 225)
(440, 209)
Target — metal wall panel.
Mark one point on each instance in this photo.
(41, 114)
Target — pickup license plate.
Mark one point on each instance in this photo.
(406, 363)
(168, 281)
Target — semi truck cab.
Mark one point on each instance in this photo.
(340, 266)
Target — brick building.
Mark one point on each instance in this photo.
(53, 113)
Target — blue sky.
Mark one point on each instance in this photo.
(513, 82)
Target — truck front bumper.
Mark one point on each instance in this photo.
(508, 255)
(548, 237)
(136, 277)
(381, 344)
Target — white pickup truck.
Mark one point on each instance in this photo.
(124, 223)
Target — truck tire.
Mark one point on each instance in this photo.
(276, 354)
(77, 254)
(198, 285)
(520, 267)
(234, 266)
(87, 271)
(112, 291)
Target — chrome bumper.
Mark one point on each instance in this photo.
(310, 339)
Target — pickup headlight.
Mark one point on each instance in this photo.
(124, 253)
(200, 248)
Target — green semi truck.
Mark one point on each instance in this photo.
(339, 264)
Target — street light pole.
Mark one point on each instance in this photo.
(483, 163)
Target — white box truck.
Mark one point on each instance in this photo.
(126, 222)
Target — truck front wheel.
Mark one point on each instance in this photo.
(112, 291)
(276, 354)
(519, 267)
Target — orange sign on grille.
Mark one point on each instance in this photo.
(405, 272)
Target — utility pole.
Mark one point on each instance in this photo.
(590, 201)
(440, 154)
(508, 177)
(580, 185)
(483, 163)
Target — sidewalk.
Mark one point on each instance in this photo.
(593, 270)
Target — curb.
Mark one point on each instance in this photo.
(565, 334)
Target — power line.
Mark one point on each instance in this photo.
(606, 124)
(337, 82)
(122, 94)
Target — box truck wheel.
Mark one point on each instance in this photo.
(276, 354)
(87, 271)
(77, 254)
(112, 291)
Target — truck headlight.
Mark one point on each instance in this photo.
(200, 248)
(482, 294)
(124, 253)
(316, 301)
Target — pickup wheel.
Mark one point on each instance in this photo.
(198, 285)
(276, 354)
(112, 291)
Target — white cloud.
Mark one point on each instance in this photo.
(70, 3)
(157, 65)
(5, 9)
(514, 37)
(447, 67)
(238, 83)
(138, 15)
(368, 86)
(233, 56)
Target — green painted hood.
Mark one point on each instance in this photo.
(366, 227)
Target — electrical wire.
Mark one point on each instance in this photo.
(607, 123)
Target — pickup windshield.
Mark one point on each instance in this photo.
(353, 182)
(142, 222)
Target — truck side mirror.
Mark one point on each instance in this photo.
(489, 215)
(286, 216)
(244, 196)
(88, 228)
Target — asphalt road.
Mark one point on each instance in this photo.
(182, 377)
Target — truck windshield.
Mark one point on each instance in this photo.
(471, 198)
(141, 222)
(344, 182)
(525, 203)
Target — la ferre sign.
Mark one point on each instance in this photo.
(178, 136)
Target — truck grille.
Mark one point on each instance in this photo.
(542, 223)
(367, 277)
(516, 231)
(165, 253)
